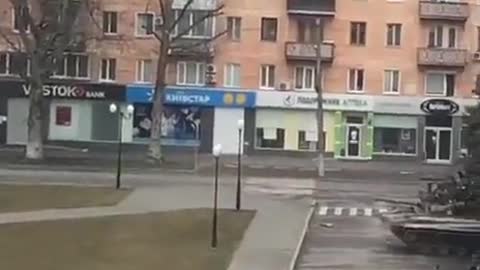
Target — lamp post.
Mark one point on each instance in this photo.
(217, 151)
(121, 116)
(240, 125)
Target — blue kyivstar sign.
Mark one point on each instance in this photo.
(199, 96)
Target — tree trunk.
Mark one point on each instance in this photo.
(34, 149)
(319, 86)
(155, 147)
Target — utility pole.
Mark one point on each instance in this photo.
(319, 88)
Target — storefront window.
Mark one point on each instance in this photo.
(307, 140)
(395, 141)
(63, 116)
(270, 138)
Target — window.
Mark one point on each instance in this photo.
(232, 75)
(144, 71)
(109, 22)
(191, 73)
(391, 81)
(464, 133)
(356, 80)
(234, 28)
(478, 39)
(267, 77)
(144, 24)
(108, 69)
(73, 66)
(307, 31)
(63, 116)
(395, 141)
(307, 140)
(442, 36)
(304, 78)
(194, 24)
(14, 64)
(394, 34)
(269, 29)
(440, 84)
(272, 138)
(358, 32)
(23, 12)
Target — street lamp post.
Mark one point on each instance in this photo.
(240, 125)
(217, 151)
(121, 116)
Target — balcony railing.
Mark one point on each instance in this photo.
(191, 48)
(307, 51)
(311, 7)
(442, 57)
(456, 11)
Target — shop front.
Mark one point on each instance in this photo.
(193, 116)
(73, 111)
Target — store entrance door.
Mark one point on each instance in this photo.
(353, 140)
(438, 144)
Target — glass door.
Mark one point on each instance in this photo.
(444, 145)
(353, 141)
(431, 144)
(438, 143)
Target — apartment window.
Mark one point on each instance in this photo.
(307, 31)
(356, 80)
(391, 81)
(144, 24)
(63, 116)
(269, 29)
(14, 64)
(272, 138)
(73, 66)
(232, 75)
(442, 36)
(109, 22)
(440, 84)
(144, 70)
(358, 32)
(304, 78)
(234, 26)
(194, 24)
(267, 76)
(191, 73)
(16, 13)
(394, 34)
(108, 69)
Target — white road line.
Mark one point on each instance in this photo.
(338, 211)
(382, 210)
(353, 211)
(368, 212)
(323, 211)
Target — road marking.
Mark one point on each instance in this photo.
(338, 211)
(368, 212)
(353, 211)
(323, 211)
(382, 210)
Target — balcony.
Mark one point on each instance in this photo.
(311, 7)
(308, 52)
(453, 11)
(192, 48)
(442, 57)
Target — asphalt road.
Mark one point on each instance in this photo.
(345, 234)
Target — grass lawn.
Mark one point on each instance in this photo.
(16, 198)
(176, 240)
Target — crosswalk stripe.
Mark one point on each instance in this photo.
(323, 211)
(338, 211)
(382, 210)
(368, 212)
(353, 211)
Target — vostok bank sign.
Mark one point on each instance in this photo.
(66, 91)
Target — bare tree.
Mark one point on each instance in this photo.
(169, 35)
(43, 31)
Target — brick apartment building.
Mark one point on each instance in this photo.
(397, 77)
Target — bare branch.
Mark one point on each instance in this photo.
(200, 42)
(180, 15)
(10, 43)
(210, 14)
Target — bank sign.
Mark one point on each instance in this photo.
(66, 91)
(196, 96)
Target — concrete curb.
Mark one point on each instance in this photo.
(308, 218)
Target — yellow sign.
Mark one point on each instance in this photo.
(228, 99)
(241, 99)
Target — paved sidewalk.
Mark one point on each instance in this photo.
(269, 243)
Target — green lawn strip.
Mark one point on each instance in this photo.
(17, 198)
(175, 240)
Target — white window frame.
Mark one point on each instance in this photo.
(234, 27)
(445, 35)
(110, 23)
(390, 92)
(137, 21)
(13, 23)
(140, 64)
(267, 87)
(198, 81)
(108, 79)
(356, 75)
(191, 21)
(8, 71)
(394, 35)
(444, 94)
(229, 69)
(304, 68)
(65, 76)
